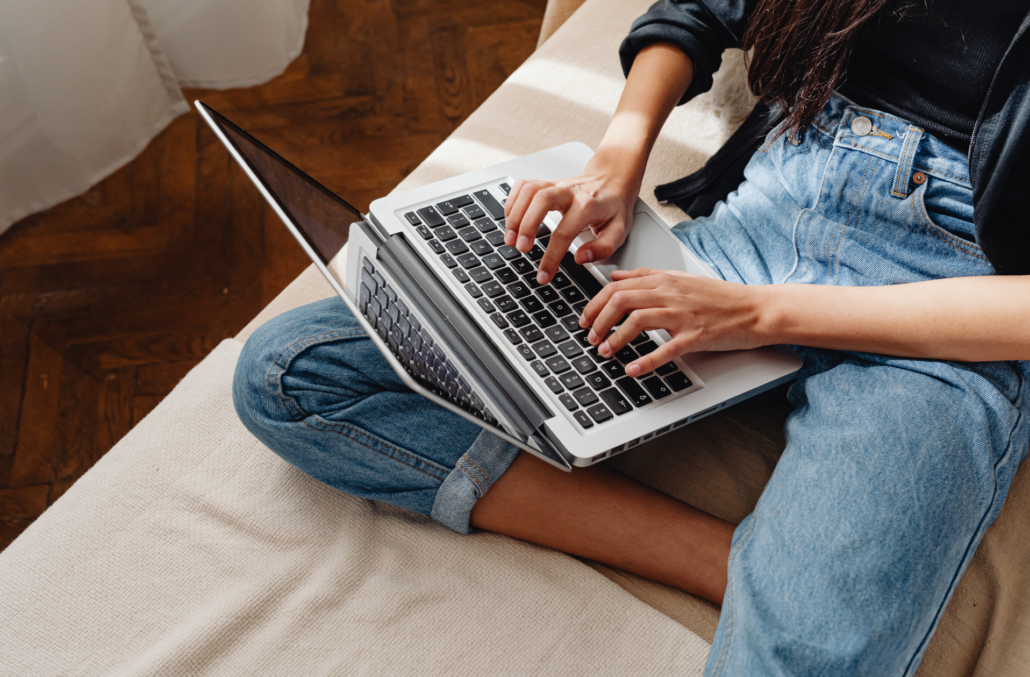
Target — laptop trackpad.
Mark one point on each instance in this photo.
(653, 246)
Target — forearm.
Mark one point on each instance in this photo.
(660, 75)
(964, 319)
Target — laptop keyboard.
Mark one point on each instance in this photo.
(411, 343)
(540, 321)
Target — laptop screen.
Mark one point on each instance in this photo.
(322, 218)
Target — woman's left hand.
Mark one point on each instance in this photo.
(698, 312)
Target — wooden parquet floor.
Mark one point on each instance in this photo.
(107, 300)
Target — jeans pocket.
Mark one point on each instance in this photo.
(945, 211)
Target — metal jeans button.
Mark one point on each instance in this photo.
(861, 125)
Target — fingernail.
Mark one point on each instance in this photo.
(542, 277)
(592, 337)
(583, 321)
(588, 256)
(605, 349)
(509, 238)
(523, 243)
(633, 369)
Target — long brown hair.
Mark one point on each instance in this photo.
(800, 51)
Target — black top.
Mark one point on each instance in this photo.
(999, 147)
(932, 63)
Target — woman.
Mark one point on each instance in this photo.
(862, 234)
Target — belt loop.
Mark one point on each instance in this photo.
(908, 155)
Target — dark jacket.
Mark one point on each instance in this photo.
(999, 152)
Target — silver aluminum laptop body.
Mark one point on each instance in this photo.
(400, 274)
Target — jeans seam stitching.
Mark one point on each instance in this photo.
(832, 258)
(472, 477)
(945, 236)
(330, 429)
(980, 529)
(331, 425)
(486, 478)
(724, 649)
(797, 220)
(908, 157)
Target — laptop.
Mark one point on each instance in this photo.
(460, 318)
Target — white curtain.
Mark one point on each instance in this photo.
(84, 86)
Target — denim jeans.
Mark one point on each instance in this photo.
(893, 467)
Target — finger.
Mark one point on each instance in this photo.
(513, 195)
(518, 209)
(643, 319)
(636, 272)
(599, 301)
(604, 245)
(572, 224)
(620, 303)
(665, 353)
(546, 200)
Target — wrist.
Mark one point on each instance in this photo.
(773, 311)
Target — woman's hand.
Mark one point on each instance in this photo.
(700, 313)
(601, 199)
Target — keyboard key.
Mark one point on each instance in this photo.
(645, 347)
(585, 397)
(492, 289)
(474, 212)
(531, 282)
(481, 274)
(431, 217)
(448, 260)
(414, 323)
(490, 203)
(459, 221)
(544, 348)
(548, 294)
(639, 339)
(508, 253)
(580, 275)
(470, 234)
(473, 290)
(570, 323)
(544, 319)
(505, 303)
(572, 294)
(424, 232)
(493, 261)
(584, 364)
(570, 349)
(521, 265)
(363, 297)
(597, 380)
(617, 401)
(539, 368)
(633, 391)
(560, 280)
(596, 355)
(512, 336)
(599, 413)
(626, 355)
(457, 247)
(568, 401)
(657, 389)
(468, 261)
(436, 246)
(578, 308)
(454, 204)
(536, 253)
(557, 364)
(678, 381)
(412, 219)
(581, 338)
(485, 226)
(583, 420)
(571, 380)
(552, 383)
(506, 275)
(481, 247)
(666, 369)
(495, 238)
(518, 318)
(462, 276)
(446, 233)
(486, 306)
(499, 320)
(531, 334)
(525, 352)
(505, 188)
(556, 334)
(532, 304)
(518, 290)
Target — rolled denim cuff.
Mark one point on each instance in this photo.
(476, 471)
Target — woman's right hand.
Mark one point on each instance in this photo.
(601, 199)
